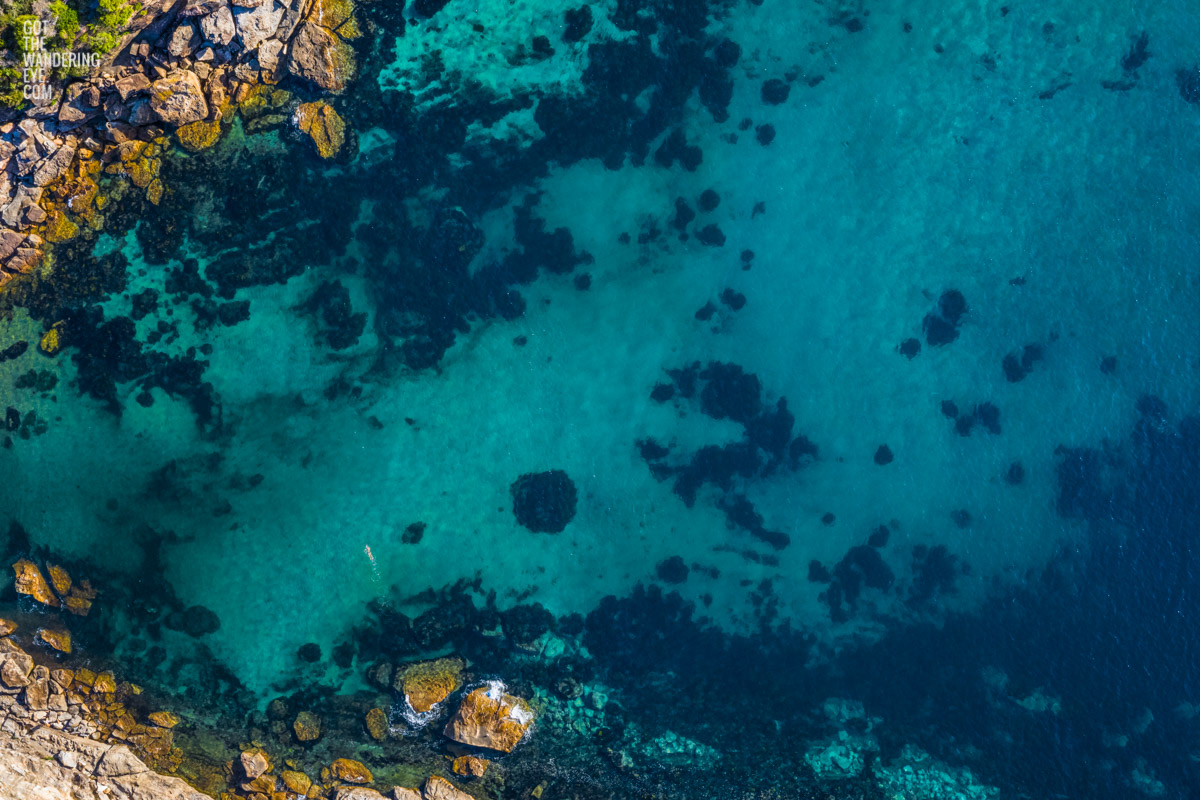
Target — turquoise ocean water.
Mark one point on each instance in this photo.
(1014, 154)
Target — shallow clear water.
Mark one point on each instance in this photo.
(921, 161)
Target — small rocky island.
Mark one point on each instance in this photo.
(174, 74)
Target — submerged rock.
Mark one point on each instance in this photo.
(470, 766)
(200, 135)
(356, 793)
(60, 579)
(307, 726)
(544, 502)
(487, 717)
(376, 723)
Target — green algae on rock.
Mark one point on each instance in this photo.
(323, 126)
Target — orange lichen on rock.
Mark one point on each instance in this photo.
(307, 726)
(428, 683)
(31, 582)
(60, 579)
(59, 640)
(164, 719)
(438, 788)
(105, 683)
(487, 717)
(470, 766)
(347, 770)
(295, 782)
(323, 125)
(377, 724)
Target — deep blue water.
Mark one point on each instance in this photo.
(783, 395)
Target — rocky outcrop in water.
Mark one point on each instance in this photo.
(182, 67)
(487, 717)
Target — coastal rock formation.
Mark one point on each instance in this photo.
(348, 770)
(31, 582)
(377, 724)
(470, 766)
(307, 726)
(15, 669)
(186, 67)
(54, 638)
(428, 683)
(179, 98)
(46, 764)
(438, 788)
(356, 793)
(322, 124)
(487, 717)
(254, 763)
(318, 55)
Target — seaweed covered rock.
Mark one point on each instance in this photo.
(199, 135)
(322, 125)
(487, 717)
(348, 770)
(544, 502)
(307, 726)
(428, 683)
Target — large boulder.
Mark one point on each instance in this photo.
(218, 27)
(9, 242)
(257, 25)
(77, 106)
(428, 683)
(347, 770)
(178, 98)
(322, 124)
(31, 582)
(356, 793)
(15, 669)
(544, 502)
(438, 788)
(487, 717)
(318, 55)
(55, 165)
(184, 41)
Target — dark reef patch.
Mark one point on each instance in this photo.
(941, 325)
(672, 570)
(544, 502)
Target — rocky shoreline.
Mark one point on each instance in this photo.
(90, 731)
(182, 71)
